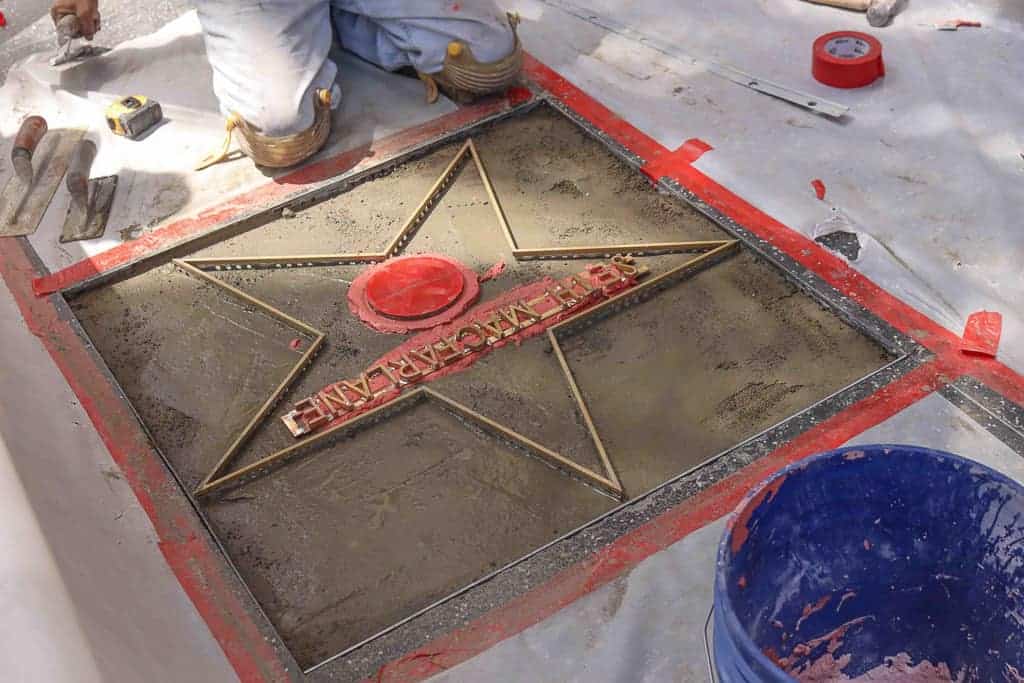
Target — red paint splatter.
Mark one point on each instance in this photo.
(810, 609)
(493, 272)
(517, 95)
(982, 333)
(819, 188)
(892, 669)
(426, 662)
(833, 638)
(738, 527)
(295, 344)
(960, 23)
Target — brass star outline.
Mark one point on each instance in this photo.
(711, 252)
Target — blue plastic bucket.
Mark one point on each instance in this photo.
(877, 563)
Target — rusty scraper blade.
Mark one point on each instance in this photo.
(91, 222)
(22, 204)
(90, 199)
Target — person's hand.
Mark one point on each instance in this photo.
(87, 11)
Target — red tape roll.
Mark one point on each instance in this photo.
(847, 59)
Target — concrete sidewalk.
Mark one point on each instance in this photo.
(88, 595)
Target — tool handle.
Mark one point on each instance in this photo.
(31, 132)
(855, 5)
(79, 168)
(881, 12)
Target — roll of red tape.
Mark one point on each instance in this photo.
(847, 59)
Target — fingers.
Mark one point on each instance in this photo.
(58, 10)
(90, 23)
(87, 12)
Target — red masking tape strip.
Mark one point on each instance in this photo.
(847, 59)
(981, 334)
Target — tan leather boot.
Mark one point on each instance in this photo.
(464, 79)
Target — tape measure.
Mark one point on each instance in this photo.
(847, 59)
(134, 115)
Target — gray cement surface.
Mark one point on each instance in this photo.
(423, 505)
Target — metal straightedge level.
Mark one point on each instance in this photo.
(726, 71)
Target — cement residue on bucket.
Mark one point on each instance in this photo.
(897, 564)
(828, 668)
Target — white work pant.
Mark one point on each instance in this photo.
(268, 56)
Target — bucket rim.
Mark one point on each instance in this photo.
(729, 619)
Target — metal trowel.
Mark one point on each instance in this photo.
(39, 159)
(90, 199)
(69, 31)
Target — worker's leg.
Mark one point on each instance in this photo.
(269, 59)
(468, 47)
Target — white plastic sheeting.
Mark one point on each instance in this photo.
(928, 166)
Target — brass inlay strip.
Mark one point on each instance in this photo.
(609, 482)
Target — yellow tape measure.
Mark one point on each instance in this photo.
(133, 115)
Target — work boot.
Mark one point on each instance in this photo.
(464, 79)
(282, 151)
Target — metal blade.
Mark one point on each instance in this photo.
(72, 53)
(88, 220)
(22, 162)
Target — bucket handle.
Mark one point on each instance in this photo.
(707, 646)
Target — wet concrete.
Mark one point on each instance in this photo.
(354, 537)
(708, 363)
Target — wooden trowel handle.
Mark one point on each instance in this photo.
(856, 5)
(31, 132)
(79, 168)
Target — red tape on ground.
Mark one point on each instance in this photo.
(982, 333)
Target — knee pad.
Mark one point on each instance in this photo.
(278, 151)
(282, 151)
(463, 77)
